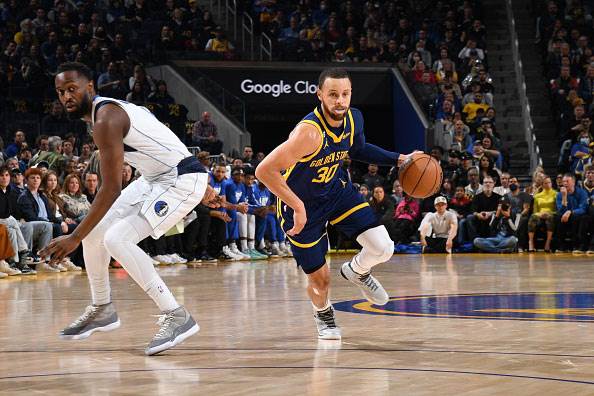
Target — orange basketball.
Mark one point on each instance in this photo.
(420, 176)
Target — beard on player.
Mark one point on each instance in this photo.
(333, 114)
(76, 111)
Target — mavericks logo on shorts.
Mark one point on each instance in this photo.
(161, 208)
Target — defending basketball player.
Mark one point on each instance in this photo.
(314, 190)
(173, 182)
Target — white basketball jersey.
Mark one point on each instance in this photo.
(149, 146)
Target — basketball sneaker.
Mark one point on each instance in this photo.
(371, 288)
(95, 318)
(8, 269)
(176, 326)
(238, 253)
(275, 250)
(228, 252)
(326, 323)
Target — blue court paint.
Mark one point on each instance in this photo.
(540, 306)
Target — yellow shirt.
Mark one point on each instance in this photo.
(545, 202)
(471, 109)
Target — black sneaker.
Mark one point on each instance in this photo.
(225, 257)
(26, 270)
(24, 257)
(206, 258)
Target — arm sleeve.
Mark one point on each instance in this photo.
(582, 203)
(367, 152)
(560, 208)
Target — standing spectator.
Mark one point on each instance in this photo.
(502, 231)
(204, 134)
(572, 203)
(543, 212)
(248, 157)
(438, 229)
(372, 178)
(110, 83)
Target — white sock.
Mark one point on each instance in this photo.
(244, 245)
(251, 244)
(262, 245)
(377, 248)
(251, 226)
(97, 264)
(120, 240)
(233, 246)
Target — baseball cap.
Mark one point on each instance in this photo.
(439, 200)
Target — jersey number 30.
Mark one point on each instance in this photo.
(325, 174)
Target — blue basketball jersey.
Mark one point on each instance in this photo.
(320, 174)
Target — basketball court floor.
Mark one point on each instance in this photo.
(459, 325)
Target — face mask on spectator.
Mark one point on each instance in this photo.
(513, 187)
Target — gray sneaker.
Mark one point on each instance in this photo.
(95, 318)
(176, 326)
(372, 290)
(326, 323)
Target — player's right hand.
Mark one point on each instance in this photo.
(404, 157)
(299, 220)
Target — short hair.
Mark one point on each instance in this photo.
(78, 67)
(438, 148)
(333, 72)
(569, 175)
(589, 168)
(33, 171)
(91, 173)
(488, 177)
(237, 169)
(3, 169)
(54, 142)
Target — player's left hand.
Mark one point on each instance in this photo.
(404, 157)
(299, 220)
(59, 248)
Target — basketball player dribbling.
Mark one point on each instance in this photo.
(314, 190)
(173, 182)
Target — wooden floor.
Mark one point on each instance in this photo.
(479, 325)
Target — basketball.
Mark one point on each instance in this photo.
(420, 176)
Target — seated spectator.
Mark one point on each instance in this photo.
(501, 231)
(471, 50)
(33, 204)
(397, 192)
(580, 151)
(364, 191)
(471, 109)
(148, 85)
(543, 213)
(445, 112)
(520, 202)
(17, 181)
(91, 185)
(17, 263)
(76, 205)
(474, 186)
(426, 90)
(85, 153)
(487, 168)
(13, 148)
(405, 215)
(484, 206)
(53, 156)
(25, 156)
(137, 95)
(204, 134)
(372, 178)
(248, 157)
(221, 44)
(161, 95)
(438, 229)
(382, 206)
(572, 203)
(127, 175)
(111, 83)
(491, 152)
(56, 122)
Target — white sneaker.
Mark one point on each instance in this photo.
(287, 246)
(276, 252)
(45, 267)
(69, 265)
(161, 259)
(178, 259)
(326, 324)
(60, 267)
(228, 252)
(5, 268)
(238, 253)
(3, 275)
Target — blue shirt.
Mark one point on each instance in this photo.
(42, 210)
(576, 202)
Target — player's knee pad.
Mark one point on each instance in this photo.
(377, 241)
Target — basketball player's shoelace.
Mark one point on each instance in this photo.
(164, 322)
(368, 281)
(327, 317)
(90, 312)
